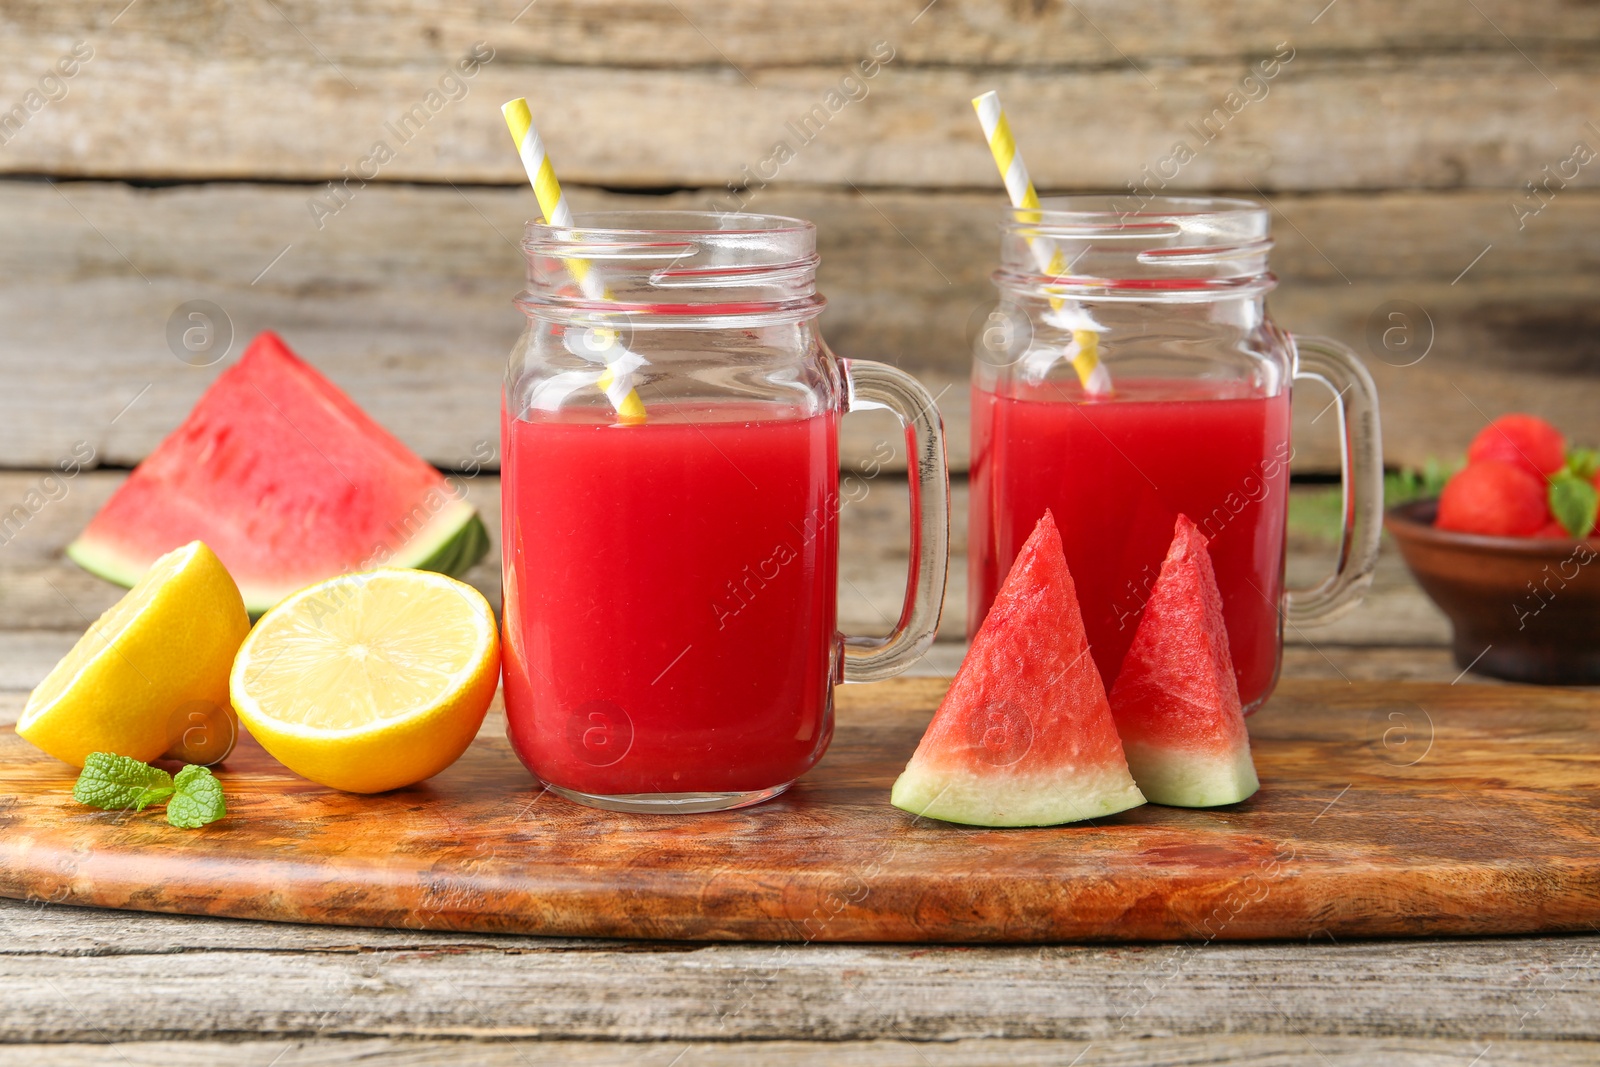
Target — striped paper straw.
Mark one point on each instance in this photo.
(997, 131)
(617, 379)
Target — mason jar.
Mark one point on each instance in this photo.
(1131, 373)
(670, 493)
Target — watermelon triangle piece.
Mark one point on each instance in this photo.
(1024, 736)
(289, 482)
(1176, 701)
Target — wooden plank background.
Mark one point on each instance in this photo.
(46, 600)
(180, 159)
(255, 992)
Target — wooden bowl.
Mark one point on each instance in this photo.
(1524, 609)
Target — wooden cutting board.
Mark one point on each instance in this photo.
(1385, 810)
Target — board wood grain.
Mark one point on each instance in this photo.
(1477, 817)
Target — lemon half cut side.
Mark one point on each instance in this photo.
(371, 681)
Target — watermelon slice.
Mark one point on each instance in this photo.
(1176, 701)
(289, 483)
(1024, 736)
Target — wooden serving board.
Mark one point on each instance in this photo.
(1385, 810)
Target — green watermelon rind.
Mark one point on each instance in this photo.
(460, 553)
(451, 544)
(998, 798)
(1179, 777)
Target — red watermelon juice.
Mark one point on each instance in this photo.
(670, 596)
(1116, 473)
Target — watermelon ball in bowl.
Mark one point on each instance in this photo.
(1521, 440)
(1523, 608)
(1495, 498)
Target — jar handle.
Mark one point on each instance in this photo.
(880, 386)
(1327, 361)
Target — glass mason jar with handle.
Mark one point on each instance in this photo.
(1188, 414)
(670, 494)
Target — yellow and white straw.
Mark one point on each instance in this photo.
(617, 379)
(1084, 351)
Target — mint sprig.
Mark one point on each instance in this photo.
(120, 783)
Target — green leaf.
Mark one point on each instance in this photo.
(117, 783)
(1435, 475)
(1574, 502)
(198, 799)
(1408, 483)
(1584, 462)
(1317, 513)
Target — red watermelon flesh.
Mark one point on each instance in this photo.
(1024, 736)
(289, 482)
(1176, 701)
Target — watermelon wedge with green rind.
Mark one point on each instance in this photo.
(289, 482)
(1024, 736)
(1176, 702)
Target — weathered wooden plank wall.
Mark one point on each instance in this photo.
(46, 599)
(185, 156)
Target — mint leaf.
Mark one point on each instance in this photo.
(1409, 483)
(198, 799)
(1435, 475)
(1574, 502)
(1583, 462)
(117, 783)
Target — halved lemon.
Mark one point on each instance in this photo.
(151, 673)
(370, 681)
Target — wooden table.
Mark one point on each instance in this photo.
(176, 990)
(189, 160)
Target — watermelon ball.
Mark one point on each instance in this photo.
(1495, 498)
(1525, 441)
(1552, 531)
